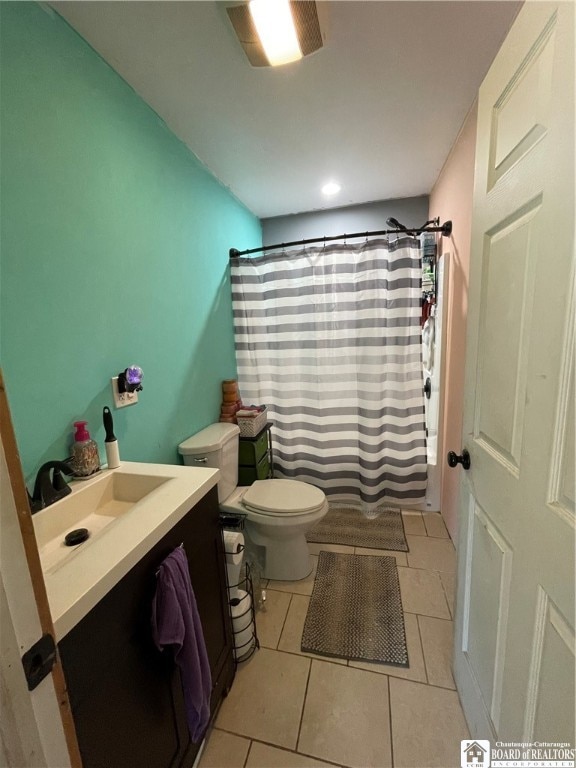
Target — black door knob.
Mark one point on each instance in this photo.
(428, 388)
(454, 459)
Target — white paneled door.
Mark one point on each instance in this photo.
(514, 648)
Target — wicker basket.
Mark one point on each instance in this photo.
(250, 426)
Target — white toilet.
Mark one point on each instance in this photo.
(278, 512)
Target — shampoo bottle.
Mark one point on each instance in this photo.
(85, 459)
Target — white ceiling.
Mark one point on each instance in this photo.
(377, 108)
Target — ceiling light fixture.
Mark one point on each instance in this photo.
(275, 26)
(331, 188)
(274, 32)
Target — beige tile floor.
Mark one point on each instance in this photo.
(289, 709)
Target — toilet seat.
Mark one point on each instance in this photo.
(285, 498)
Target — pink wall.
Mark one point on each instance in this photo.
(451, 198)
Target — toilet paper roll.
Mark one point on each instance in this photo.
(233, 578)
(240, 624)
(240, 612)
(234, 547)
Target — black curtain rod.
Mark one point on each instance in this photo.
(445, 229)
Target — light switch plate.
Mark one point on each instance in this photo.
(122, 399)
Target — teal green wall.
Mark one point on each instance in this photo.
(114, 251)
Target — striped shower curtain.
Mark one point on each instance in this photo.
(329, 339)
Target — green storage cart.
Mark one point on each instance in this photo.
(255, 457)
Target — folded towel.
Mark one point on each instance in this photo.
(176, 624)
(250, 411)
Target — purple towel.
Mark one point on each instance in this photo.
(175, 622)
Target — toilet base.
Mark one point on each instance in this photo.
(284, 559)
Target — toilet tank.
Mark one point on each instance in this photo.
(217, 447)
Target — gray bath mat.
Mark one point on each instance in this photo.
(355, 611)
(347, 525)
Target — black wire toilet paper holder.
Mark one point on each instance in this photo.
(236, 523)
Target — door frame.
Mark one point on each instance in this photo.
(36, 727)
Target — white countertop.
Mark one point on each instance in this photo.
(96, 566)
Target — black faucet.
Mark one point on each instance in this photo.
(48, 489)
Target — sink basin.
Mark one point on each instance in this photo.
(127, 511)
(94, 505)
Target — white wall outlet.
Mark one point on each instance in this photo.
(122, 399)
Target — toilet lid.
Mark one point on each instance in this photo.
(283, 496)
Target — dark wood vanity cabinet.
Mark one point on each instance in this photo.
(126, 696)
